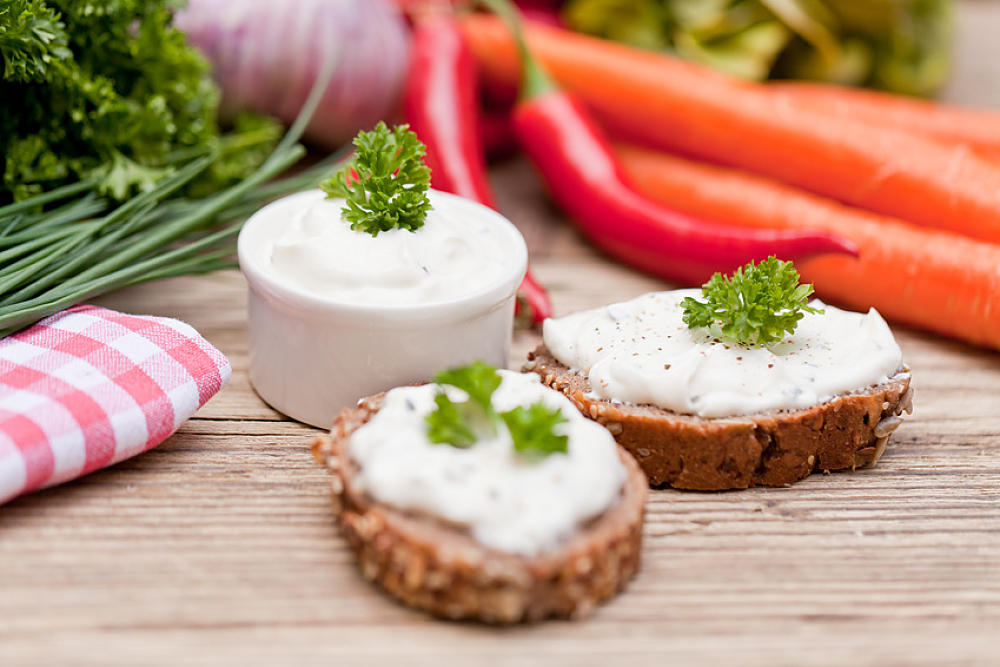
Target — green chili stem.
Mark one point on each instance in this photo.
(535, 81)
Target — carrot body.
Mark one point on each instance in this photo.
(933, 280)
(977, 127)
(680, 107)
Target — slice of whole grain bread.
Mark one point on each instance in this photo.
(773, 448)
(439, 568)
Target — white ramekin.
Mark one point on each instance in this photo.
(311, 355)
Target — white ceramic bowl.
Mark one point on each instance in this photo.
(312, 355)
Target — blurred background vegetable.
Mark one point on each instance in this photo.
(896, 45)
(107, 90)
(266, 55)
(659, 101)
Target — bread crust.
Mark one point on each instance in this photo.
(439, 568)
(773, 448)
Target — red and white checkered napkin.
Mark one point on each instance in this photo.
(89, 387)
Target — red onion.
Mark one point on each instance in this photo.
(266, 55)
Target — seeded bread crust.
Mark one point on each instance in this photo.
(439, 568)
(774, 448)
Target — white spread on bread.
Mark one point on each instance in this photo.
(642, 352)
(452, 254)
(507, 502)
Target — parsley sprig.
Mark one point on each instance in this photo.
(532, 428)
(385, 183)
(462, 424)
(757, 306)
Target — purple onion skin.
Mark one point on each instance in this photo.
(266, 54)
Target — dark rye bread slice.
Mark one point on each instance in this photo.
(439, 568)
(774, 448)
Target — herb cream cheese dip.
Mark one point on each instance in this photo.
(308, 246)
(508, 502)
(336, 314)
(642, 352)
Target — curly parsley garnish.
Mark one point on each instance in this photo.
(532, 429)
(478, 380)
(757, 306)
(385, 183)
(451, 423)
(463, 424)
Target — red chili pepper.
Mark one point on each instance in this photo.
(440, 102)
(578, 164)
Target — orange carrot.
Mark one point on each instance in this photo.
(977, 127)
(933, 280)
(680, 107)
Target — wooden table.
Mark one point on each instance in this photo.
(218, 546)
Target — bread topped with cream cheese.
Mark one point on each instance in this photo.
(474, 532)
(703, 413)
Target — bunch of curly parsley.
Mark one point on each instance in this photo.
(108, 89)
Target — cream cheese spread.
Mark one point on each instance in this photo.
(312, 248)
(507, 502)
(641, 352)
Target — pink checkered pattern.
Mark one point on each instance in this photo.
(89, 387)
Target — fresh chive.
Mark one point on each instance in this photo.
(53, 195)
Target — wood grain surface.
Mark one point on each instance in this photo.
(217, 548)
